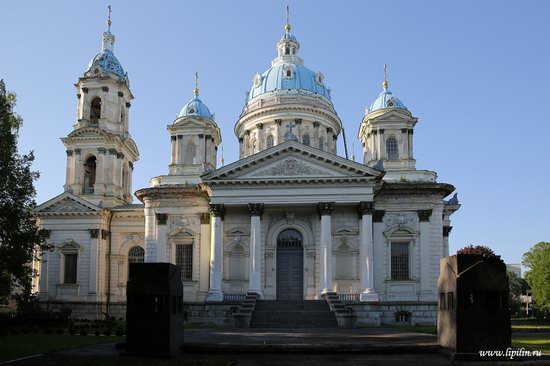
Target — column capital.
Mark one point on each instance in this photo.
(205, 218)
(256, 209)
(161, 218)
(69, 152)
(316, 124)
(278, 121)
(325, 208)
(378, 215)
(217, 210)
(424, 215)
(447, 230)
(365, 208)
(260, 126)
(105, 234)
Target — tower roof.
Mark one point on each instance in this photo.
(386, 99)
(196, 107)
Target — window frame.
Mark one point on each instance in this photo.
(406, 244)
(392, 151)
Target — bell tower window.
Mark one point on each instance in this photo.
(89, 175)
(391, 148)
(288, 73)
(269, 141)
(287, 50)
(95, 110)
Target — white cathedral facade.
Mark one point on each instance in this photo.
(290, 219)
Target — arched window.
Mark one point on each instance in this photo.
(269, 141)
(136, 255)
(321, 143)
(305, 139)
(190, 153)
(391, 148)
(95, 110)
(89, 175)
(287, 50)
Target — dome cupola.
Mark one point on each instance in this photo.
(195, 107)
(386, 99)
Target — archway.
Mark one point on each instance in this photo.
(290, 265)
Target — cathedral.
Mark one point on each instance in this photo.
(290, 220)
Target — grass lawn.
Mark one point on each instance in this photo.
(532, 342)
(530, 328)
(12, 347)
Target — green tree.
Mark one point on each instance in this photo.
(537, 259)
(20, 237)
(518, 286)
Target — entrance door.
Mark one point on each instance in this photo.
(290, 265)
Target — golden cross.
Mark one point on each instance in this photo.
(196, 90)
(109, 22)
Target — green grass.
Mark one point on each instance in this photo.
(12, 347)
(535, 343)
(532, 327)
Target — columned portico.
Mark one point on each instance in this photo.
(215, 293)
(325, 279)
(255, 268)
(366, 252)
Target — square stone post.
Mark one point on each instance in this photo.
(325, 212)
(366, 252)
(149, 241)
(255, 274)
(161, 237)
(424, 218)
(216, 252)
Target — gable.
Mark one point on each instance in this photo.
(67, 203)
(292, 161)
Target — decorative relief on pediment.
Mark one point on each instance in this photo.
(289, 168)
(401, 220)
(67, 206)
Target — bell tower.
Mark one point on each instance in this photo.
(100, 151)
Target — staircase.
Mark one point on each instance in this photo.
(293, 314)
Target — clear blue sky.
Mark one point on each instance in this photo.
(475, 73)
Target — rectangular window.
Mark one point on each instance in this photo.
(184, 260)
(442, 301)
(450, 301)
(70, 268)
(400, 261)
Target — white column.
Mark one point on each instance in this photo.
(161, 237)
(149, 241)
(382, 144)
(44, 266)
(69, 169)
(424, 217)
(255, 274)
(204, 253)
(216, 251)
(174, 149)
(94, 250)
(366, 252)
(411, 155)
(405, 136)
(325, 210)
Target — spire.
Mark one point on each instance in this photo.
(108, 37)
(196, 88)
(287, 25)
(385, 82)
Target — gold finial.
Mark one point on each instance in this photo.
(223, 159)
(196, 88)
(109, 21)
(385, 83)
(287, 25)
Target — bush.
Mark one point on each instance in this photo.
(25, 330)
(72, 331)
(48, 330)
(59, 331)
(119, 332)
(83, 332)
(14, 331)
(4, 332)
(107, 332)
(35, 329)
(97, 333)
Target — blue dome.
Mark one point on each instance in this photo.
(386, 100)
(107, 61)
(300, 78)
(195, 107)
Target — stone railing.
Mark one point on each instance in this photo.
(349, 297)
(234, 297)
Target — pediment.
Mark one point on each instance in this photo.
(394, 115)
(292, 161)
(88, 132)
(67, 203)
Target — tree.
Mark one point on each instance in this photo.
(20, 237)
(478, 249)
(537, 259)
(518, 286)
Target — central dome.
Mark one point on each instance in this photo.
(289, 78)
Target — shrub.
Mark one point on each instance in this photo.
(14, 331)
(97, 332)
(35, 329)
(4, 332)
(83, 332)
(119, 332)
(72, 331)
(25, 330)
(59, 331)
(48, 330)
(107, 332)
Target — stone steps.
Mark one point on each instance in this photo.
(293, 314)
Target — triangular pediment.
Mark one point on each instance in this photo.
(67, 203)
(292, 161)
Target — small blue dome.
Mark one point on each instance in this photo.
(289, 76)
(195, 107)
(386, 100)
(107, 61)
